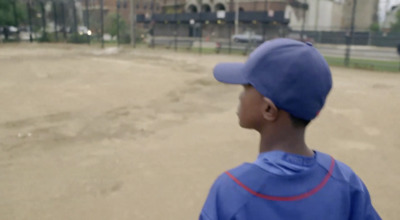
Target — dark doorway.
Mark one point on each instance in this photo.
(219, 7)
(192, 9)
(206, 8)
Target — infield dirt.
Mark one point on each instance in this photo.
(140, 134)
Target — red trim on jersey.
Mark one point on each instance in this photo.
(288, 198)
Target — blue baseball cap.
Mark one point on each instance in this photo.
(293, 74)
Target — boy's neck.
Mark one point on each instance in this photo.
(290, 141)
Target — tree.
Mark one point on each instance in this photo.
(111, 25)
(7, 16)
(374, 27)
(395, 27)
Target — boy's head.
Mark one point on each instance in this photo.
(288, 75)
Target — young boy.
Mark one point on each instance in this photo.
(285, 85)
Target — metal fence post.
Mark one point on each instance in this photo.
(87, 20)
(118, 7)
(63, 21)
(14, 6)
(102, 23)
(176, 25)
(349, 39)
(44, 34)
(133, 19)
(28, 6)
(55, 19)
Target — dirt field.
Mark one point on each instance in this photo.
(142, 134)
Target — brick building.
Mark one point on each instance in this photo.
(190, 18)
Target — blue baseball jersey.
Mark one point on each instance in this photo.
(291, 188)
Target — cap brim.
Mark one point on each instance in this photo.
(231, 73)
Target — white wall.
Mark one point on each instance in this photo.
(390, 18)
(321, 15)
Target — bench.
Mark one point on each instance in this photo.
(236, 46)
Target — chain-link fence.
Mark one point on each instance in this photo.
(86, 21)
(109, 22)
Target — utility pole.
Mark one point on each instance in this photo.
(349, 39)
(133, 19)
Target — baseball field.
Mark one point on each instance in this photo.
(142, 134)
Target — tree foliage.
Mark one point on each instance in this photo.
(395, 27)
(7, 16)
(111, 24)
(374, 27)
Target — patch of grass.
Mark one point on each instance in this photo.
(378, 65)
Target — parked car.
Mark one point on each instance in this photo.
(247, 36)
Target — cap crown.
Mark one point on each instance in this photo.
(293, 74)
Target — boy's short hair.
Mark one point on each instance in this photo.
(293, 74)
(298, 122)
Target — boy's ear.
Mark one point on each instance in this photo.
(269, 110)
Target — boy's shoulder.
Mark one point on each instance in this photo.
(247, 183)
(344, 173)
(251, 173)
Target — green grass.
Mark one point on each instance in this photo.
(378, 65)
